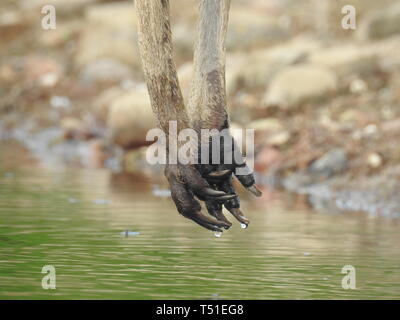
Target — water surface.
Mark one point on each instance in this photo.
(110, 237)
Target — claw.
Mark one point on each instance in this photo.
(254, 190)
(239, 215)
(220, 216)
(213, 193)
(215, 209)
(207, 223)
(227, 197)
(211, 221)
(217, 174)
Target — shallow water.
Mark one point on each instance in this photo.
(109, 237)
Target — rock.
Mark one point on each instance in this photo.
(391, 126)
(7, 74)
(72, 127)
(266, 125)
(110, 32)
(370, 131)
(249, 28)
(380, 24)
(331, 163)
(256, 69)
(358, 86)
(297, 84)
(42, 70)
(374, 160)
(354, 118)
(101, 104)
(347, 60)
(65, 35)
(270, 131)
(326, 167)
(60, 102)
(12, 24)
(387, 51)
(278, 138)
(130, 118)
(105, 70)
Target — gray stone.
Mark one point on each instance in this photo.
(130, 117)
(110, 32)
(345, 60)
(105, 70)
(257, 68)
(331, 163)
(249, 28)
(297, 84)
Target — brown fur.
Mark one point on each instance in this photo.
(207, 105)
(159, 68)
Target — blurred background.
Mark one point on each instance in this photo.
(77, 192)
(324, 100)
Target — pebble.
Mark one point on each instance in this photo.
(60, 102)
(374, 160)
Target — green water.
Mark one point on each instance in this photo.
(73, 219)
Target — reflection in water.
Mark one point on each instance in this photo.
(133, 244)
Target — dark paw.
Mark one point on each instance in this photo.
(186, 185)
(220, 177)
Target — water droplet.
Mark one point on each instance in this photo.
(217, 234)
(243, 226)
